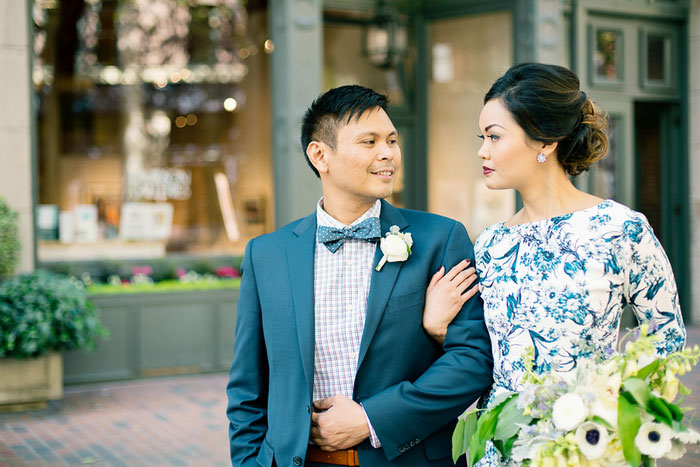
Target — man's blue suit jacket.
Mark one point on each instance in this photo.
(412, 389)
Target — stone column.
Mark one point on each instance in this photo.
(297, 33)
(16, 167)
(549, 32)
(694, 149)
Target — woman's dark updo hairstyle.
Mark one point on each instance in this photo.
(546, 102)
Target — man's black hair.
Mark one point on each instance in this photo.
(329, 110)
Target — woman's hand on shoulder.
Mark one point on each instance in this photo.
(445, 296)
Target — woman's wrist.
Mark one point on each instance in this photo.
(437, 331)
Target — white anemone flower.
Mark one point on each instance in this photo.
(677, 450)
(569, 411)
(592, 440)
(654, 439)
(687, 436)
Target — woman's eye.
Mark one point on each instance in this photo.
(480, 136)
(494, 137)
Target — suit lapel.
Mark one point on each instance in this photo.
(300, 258)
(382, 282)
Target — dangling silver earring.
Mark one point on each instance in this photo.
(541, 158)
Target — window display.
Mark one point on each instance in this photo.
(153, 125)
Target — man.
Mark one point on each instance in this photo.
(331, 363)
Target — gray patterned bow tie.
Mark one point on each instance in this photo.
(333, 237)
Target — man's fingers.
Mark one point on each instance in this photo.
(459, 267)
(324, 404)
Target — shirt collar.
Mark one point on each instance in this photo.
(323, 218)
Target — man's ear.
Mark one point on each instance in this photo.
(318, 155)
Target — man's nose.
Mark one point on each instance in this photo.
(386, 152)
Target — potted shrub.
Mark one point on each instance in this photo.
(9, 242)
(41, 314)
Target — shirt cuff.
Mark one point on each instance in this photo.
(374, 441)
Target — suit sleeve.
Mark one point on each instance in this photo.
(407, 413)
(248, 381)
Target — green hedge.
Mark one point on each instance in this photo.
(9, 241)
(42, 312)
(164, 286)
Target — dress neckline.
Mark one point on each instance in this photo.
(603, 203)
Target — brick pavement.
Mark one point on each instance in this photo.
(173, 421)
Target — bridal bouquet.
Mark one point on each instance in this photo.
(611, 410)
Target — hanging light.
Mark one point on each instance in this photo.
(386, 36)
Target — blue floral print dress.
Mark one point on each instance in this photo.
(560, 285)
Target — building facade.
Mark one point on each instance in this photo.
(130, 132)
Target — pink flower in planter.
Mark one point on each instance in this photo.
(227, 271)
(180, 272)
(145, 270)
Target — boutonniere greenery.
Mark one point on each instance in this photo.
(396, 246)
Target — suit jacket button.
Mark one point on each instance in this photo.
(297, 460)
(412, 443)
(402, 448)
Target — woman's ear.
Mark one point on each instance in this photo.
(548, 148)
(318, 153)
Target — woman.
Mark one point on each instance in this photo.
(561, 270)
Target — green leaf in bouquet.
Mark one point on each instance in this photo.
(657, 407)
(466, 426)
(639, 389)
(649, 369)
(602, 421)
(501, 398)
(676, 413)
(485, 429)
(628, 423)
(505, 447)
(509, 420)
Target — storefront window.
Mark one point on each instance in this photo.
(154, 127)
(460, 77)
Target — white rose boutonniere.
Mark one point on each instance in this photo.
(396, 246)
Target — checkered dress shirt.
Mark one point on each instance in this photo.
(341, 288)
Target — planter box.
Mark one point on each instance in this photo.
(31, 381)
(158, 334)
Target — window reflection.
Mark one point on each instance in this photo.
(606, 58)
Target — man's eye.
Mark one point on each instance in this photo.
(393, 141)
(371, 141)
